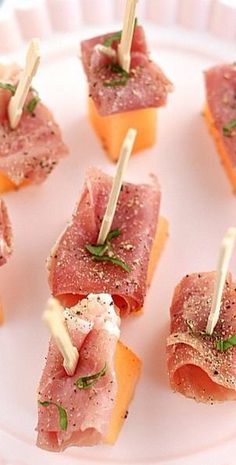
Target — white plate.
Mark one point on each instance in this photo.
(162, 428)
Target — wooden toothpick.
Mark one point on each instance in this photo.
(127, 35)
(125, 153)
(54, 318)
(226, 251)
(17, 101)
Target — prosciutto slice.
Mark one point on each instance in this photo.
(33, 149)
(146, 87)
(5, 234)
(197, 367)
(94, 329)
(220, 82)
(73, 274)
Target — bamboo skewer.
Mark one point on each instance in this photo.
(127, 35)
(125, 153)
(17, 101)
(53, 317)
(225, 254)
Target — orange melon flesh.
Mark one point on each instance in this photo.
(113, 129)
(1, 315)
(161, 236)
(7, 185)
(222, 151)
(128, 367)
(127, 364)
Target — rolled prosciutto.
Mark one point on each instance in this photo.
(201, 366)
(77, 410)
(77, 267)
(31, 151)
(5, 234)
(220, 112)
(111, 88)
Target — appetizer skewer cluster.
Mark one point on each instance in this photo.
(101, 266)
(98, 251)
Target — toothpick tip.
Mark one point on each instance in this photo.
(226, 250)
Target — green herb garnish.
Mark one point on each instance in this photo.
(12, 88)
(227, 128)
(104, 252)
(115, 82)
(86, 382)
(115, 261)
(116, 68)
(112, 234)
(226, 344)
(97, 250)
(32, 104)
(123, 76)
(8, 86)
(109, 41)
(61, 411)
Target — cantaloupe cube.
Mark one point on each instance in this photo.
(128, 367)
(113, 129)
(162, 234)
(1, 314)
(7, 185)
(160, 239)
(225, 160)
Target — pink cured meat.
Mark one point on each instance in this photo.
(220, 83)
(197, 368)
(72, 272)
(88, 410)
(5, 234)
(33, 149)
(146, 87)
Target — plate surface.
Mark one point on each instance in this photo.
(162, 427)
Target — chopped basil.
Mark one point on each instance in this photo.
(112, 234)
(109, 41)
(115, 82)
(12, 88)
(123, 76)
(98, 251)
(226, 344)
(8, 86)
(115, 68)
(46, 403)
(32, 104)
(115, 261)
(227, 128)
(63, 420)
(86, 382)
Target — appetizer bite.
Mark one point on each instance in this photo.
(201, 347)
(120, 262)
(85, 402)
(220, 114)
(125, 86)
(5, 242)
(31, 142)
